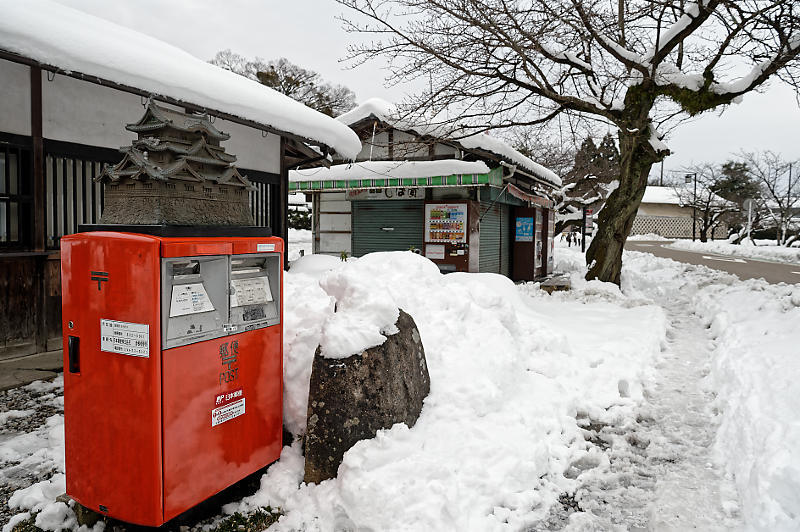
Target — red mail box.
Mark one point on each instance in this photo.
(173, 354)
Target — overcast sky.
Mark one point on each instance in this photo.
(307, 33)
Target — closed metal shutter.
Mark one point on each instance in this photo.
(495, 249)
(387, 225)
(505, 240)
(489, 259)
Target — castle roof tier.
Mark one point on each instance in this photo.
(138, 166)
(200, 150)
(157, 118)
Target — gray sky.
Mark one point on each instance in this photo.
(307, 33)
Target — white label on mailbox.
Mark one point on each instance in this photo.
(252, 291)
(125, 338)
(265, 247)
(189, 299)
(226, 413)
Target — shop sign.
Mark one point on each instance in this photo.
(410, 193)
(524, 226)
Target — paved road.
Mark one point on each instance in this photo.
(772, 272)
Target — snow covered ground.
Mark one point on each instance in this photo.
(745, 250)
(299, 239)
(669, 404)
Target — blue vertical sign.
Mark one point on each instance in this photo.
(524, 229)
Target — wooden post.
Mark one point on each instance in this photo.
(281, 228)
(37, 156)
(39, 229)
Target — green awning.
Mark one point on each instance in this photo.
(494, 177)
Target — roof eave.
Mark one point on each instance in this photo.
(16, 58)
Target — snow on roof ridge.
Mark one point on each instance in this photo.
(395, 169)
(74, 41)
(387, 112)
(670, 195)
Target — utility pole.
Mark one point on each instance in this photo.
(687, 178)
(583, 231)
(788, 210)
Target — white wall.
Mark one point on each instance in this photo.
(252, 151)
(15, 98)
(444, 149)
(86, 113)
(379, 146)
(82, 112)
(406, 146)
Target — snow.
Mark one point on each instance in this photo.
(654, 194)
(648, 236)
(299, 240)
(394, 169)
(387, 112)
(744, 250)
(13, 414)
(484, 141)
(756, 327)
(476, 459)
(71, 40)
(655, 141)
(668, 404)
(691, 12)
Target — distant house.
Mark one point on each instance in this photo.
(70, 82)
(469, 203)
(664, 212)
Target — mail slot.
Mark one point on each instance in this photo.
(174, 350)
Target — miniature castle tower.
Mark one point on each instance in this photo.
(175, 173)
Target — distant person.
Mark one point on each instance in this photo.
(569, 239)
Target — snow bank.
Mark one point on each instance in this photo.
(71, 40)
(648, 236)
(745, 250)
(299, 239)
(512, 370)
(757, 329)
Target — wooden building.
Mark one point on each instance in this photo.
(70, 85)
(472, 204)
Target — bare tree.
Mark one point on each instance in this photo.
(779, 191)
(303, 85)
(550, 152)
(593, 176)
(638, 65)
(709, 209)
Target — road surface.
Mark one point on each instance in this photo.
(772, 272)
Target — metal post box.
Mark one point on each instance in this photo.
(173, 354)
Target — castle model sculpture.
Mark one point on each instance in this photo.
(175, 173)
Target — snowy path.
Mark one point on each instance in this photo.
(690, 492)
(661, 475)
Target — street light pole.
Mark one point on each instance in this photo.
(687, 177)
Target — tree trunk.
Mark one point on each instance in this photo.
(615, 221)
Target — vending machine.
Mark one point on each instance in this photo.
(173, 368)
(447, 235)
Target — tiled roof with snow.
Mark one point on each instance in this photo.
(386, 112)
(394, 169)
(61, 37)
